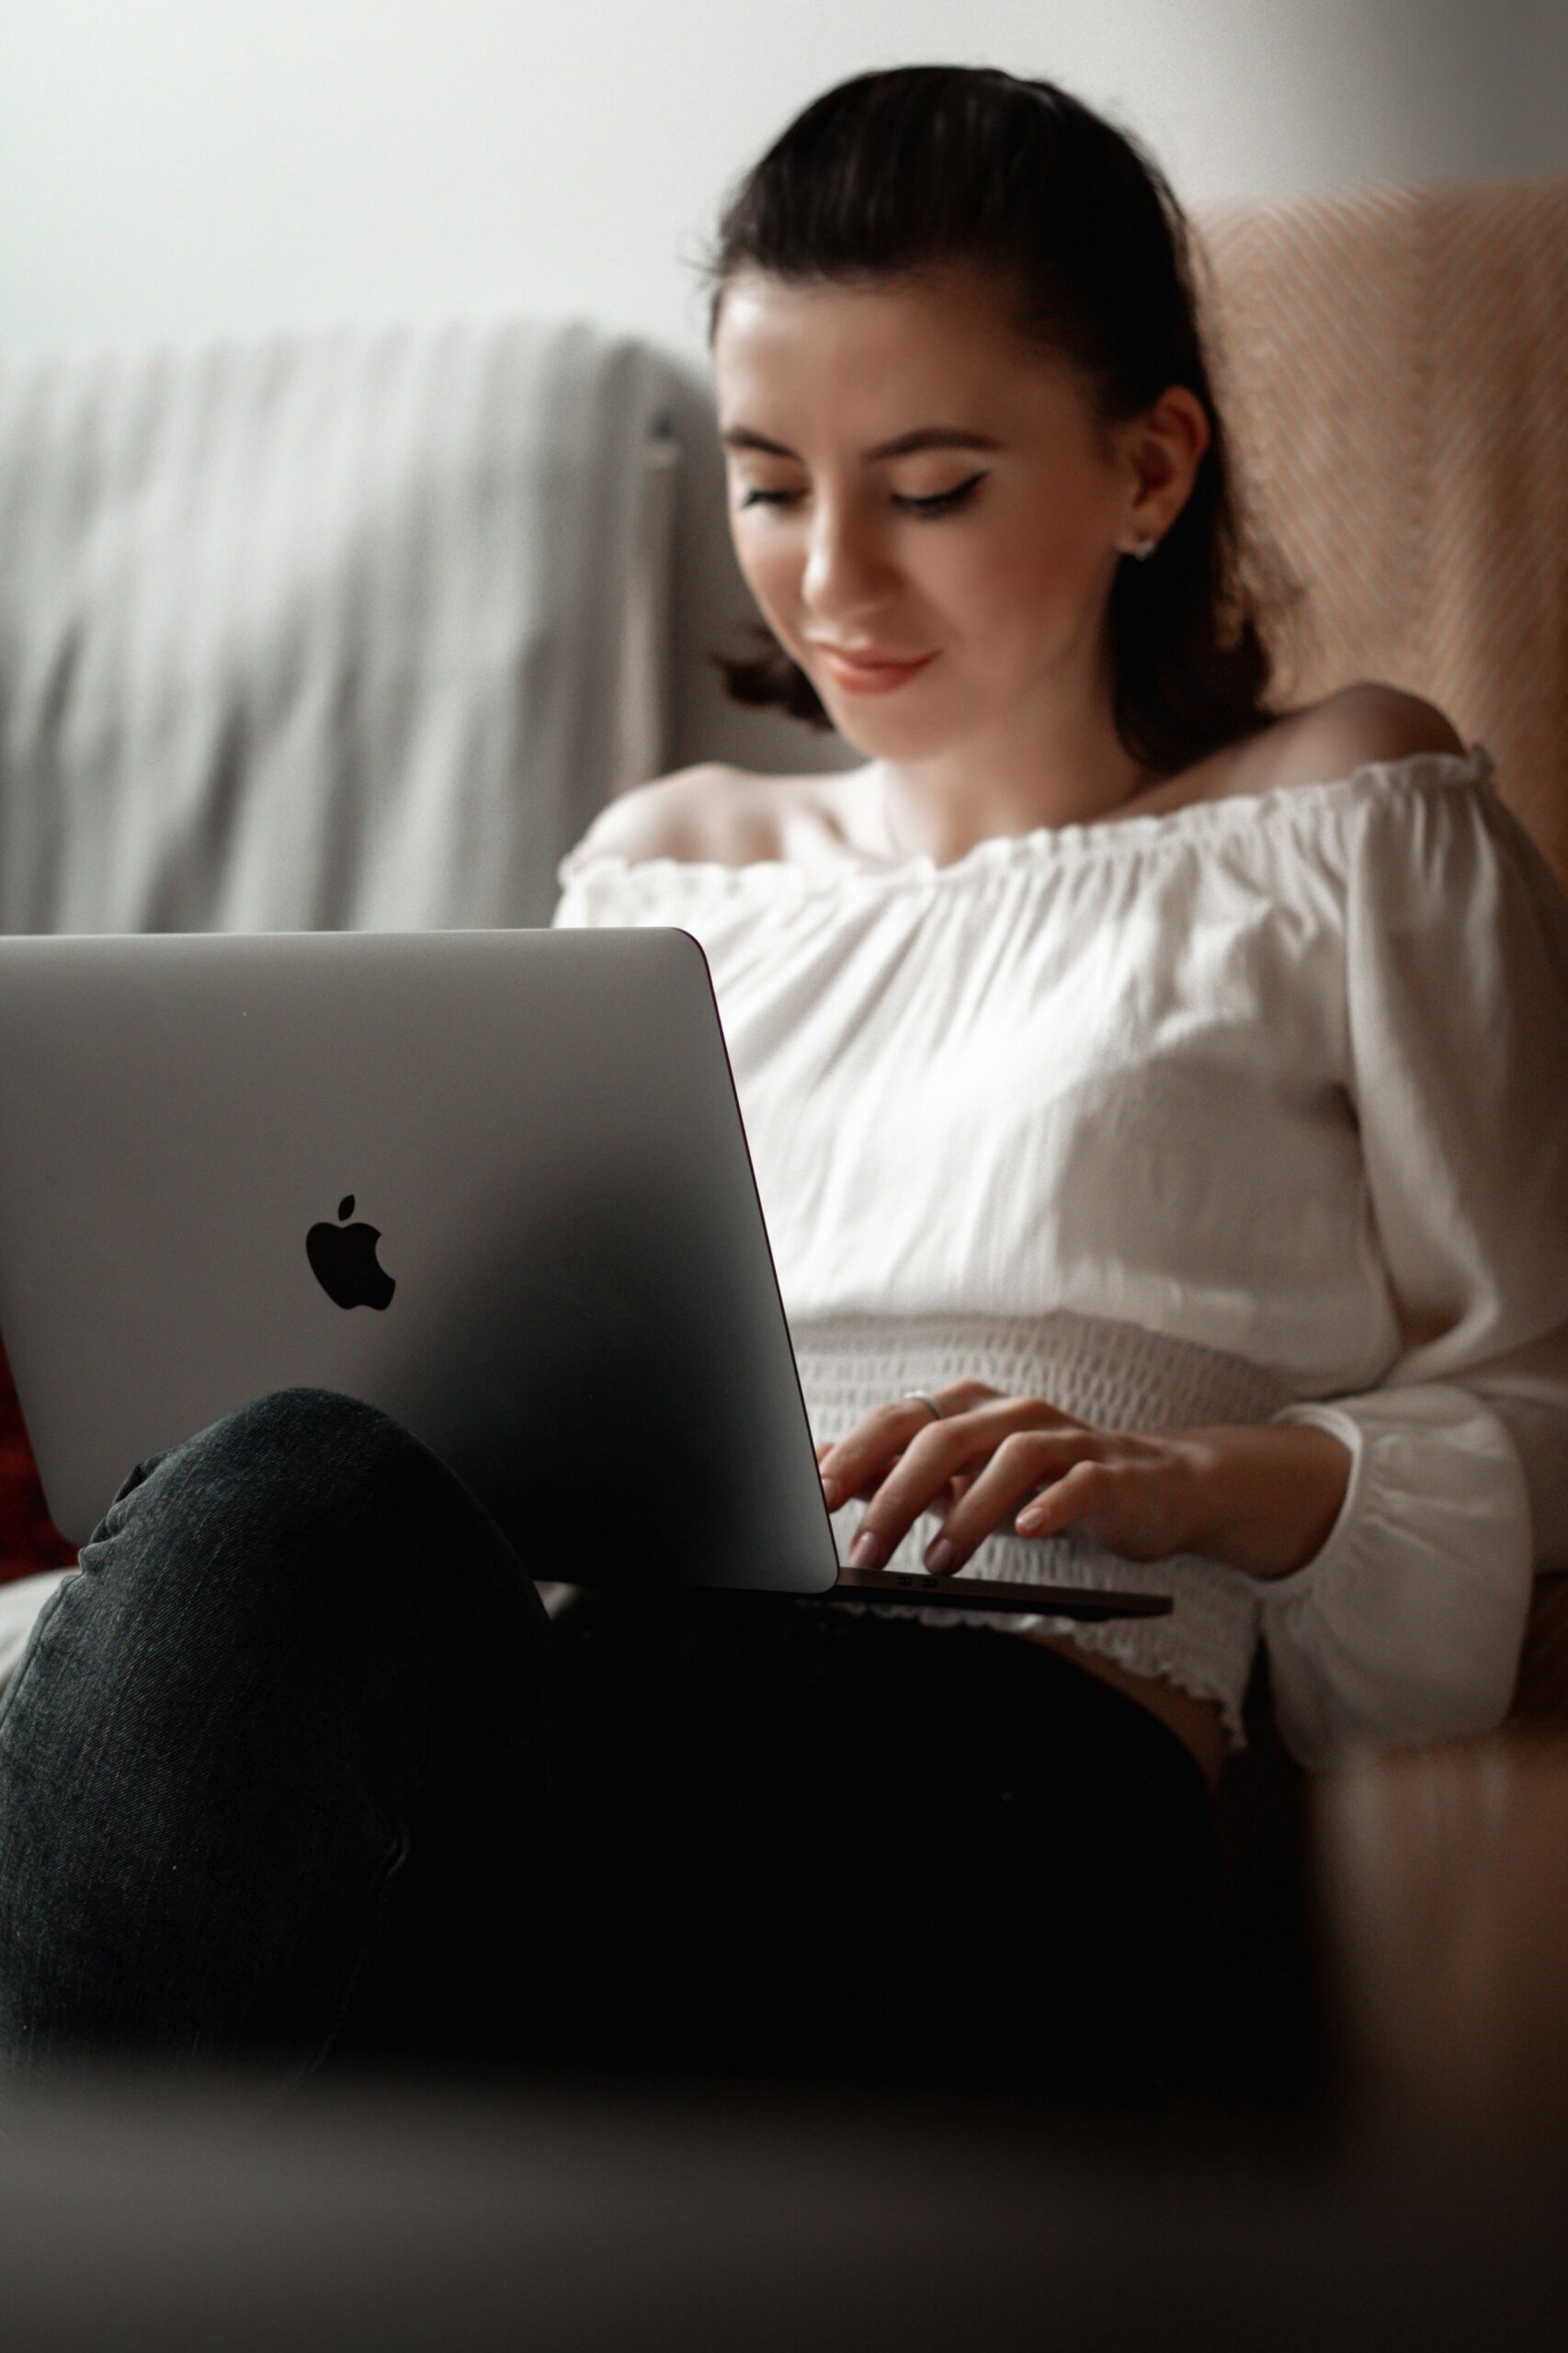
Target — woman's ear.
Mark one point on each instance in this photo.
(1164, 449)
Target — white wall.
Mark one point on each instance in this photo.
(180, 168)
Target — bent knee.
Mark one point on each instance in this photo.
(284, 1471)
(305, 1499)
(303, 1437)
(311, 1416)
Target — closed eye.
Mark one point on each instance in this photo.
(944, 503)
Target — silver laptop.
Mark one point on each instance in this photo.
(494, 1182)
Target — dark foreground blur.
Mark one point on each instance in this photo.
(139, 2212)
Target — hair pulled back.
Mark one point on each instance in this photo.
(925, 169)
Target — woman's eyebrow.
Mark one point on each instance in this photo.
(928, 437)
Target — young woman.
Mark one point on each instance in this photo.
(1155, 1100)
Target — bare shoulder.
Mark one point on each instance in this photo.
(688, 815)
(1362, 722)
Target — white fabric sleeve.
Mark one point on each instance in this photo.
(1540, 1433)
(572, 912)
(22, 1601)
(1407, 1624)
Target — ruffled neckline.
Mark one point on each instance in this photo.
(1043, 843)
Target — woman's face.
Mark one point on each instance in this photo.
(1008, 583)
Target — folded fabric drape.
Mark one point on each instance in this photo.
(355, 630)
(1392, 362)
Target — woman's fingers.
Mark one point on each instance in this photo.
(1137, 1501)
(997, 1462)
(980, 1415)
(1062, 1502)
(904, 1463)
(955, 1487)
(859, 1464)
(1023, 1464)
(921, 1481)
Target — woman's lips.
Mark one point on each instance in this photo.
(872, 677)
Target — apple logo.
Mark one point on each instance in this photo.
(343, 1259)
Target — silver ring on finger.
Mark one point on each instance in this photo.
(920, 1395)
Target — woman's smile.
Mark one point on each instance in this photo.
(874, 678)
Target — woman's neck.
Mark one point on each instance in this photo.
(927, 816)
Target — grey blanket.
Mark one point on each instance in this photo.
(346, 631)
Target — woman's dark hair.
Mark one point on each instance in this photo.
(925, 168)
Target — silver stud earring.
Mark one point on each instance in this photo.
(1145, 548)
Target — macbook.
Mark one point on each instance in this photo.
(495, 1182)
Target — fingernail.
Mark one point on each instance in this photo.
(832, 1494)
(940, 1555)
(866, 1552)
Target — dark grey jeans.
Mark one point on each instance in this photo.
(297, 1768)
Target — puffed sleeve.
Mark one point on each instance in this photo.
(573, 904)
(1407, 1624)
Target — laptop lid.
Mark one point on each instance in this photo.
(493, 1181)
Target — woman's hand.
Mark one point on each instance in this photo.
(995, 1460)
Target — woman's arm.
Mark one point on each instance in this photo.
(1268, 1496)
(1407, 1624)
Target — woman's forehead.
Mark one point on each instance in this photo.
(862, 351)
(760, 307)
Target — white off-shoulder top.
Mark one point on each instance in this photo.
(1252, 1111)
